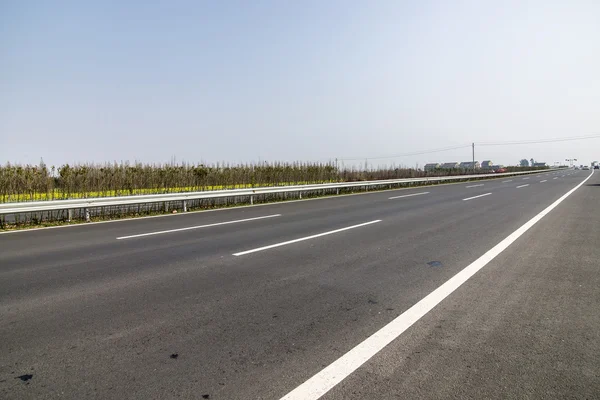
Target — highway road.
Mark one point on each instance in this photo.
(472, 290)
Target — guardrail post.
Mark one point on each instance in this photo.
(87, 214)
(337, 191)
(251, 200)
(300, 194)
(69, 214)
(166, 207)
(184, 206)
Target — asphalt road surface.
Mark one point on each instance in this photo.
(259, 302)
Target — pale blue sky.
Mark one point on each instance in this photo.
(296, 80)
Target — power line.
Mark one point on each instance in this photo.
(516, 142)
(439, 150)
(417, 153)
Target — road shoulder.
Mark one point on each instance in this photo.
(526, 326)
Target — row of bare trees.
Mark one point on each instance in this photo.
(39, 182)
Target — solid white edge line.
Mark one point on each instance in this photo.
(510, 180)
(474, 197)
(241, 253)
(341, 368)
(472, 186)
(518, 187)
(197, 227)
(408, 195)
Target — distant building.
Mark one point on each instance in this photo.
(540, 164)
(450, 165)
(432, 166)
(487, 164)
(470, 165)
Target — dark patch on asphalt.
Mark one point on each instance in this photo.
(25, 377)
(206, 396)
(371, 301)
(434, 263)
(174, 355)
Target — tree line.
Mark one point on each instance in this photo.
(40, 182)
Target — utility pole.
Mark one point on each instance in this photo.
(473, 145)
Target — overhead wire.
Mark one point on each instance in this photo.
(537, 141)
(505, 143)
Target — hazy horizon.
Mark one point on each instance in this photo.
(239, 81)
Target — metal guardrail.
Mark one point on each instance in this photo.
(53, 205)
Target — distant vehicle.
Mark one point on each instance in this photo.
(500, 170)
(596, 166)
(576, 168)
(586, 168)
